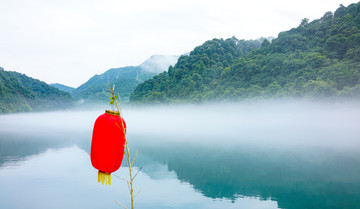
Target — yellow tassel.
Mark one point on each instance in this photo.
(104, 177)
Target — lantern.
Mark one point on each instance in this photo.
(107, 146)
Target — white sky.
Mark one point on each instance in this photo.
(69, 41)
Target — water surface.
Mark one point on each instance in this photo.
(269, 155)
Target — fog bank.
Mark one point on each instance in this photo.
(266, 123)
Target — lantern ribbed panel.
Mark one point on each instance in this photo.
(107, 146)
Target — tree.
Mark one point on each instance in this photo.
(304, 22)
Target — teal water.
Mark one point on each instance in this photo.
(198, 157)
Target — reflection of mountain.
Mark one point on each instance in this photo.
(294, 178)
(16, 147)
(13, 150)
(312, 180)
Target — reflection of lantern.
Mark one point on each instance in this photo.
(107, 146)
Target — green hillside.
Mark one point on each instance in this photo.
(63, 87)
(126, 79)
(318, 59)
(20, 93)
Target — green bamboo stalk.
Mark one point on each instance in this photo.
(114, 99)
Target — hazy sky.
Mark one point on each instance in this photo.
(69, 41)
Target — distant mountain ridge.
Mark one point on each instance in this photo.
(63, 87)
(20, 93)
(158, 63)
(125, 79)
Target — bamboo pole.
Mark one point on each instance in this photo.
(114, 99)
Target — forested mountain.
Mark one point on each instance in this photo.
(125, 79)
(63, 87)
(20, 93)
(318, 59)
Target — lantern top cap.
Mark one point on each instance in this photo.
(111, 112)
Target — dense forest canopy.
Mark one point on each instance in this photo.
(20, 93)
(318, 59)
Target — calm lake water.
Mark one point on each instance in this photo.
(269, 155)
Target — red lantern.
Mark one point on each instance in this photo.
(107, 146)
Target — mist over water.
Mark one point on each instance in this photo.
(272, 123)
(224, 155)
(281, 125)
